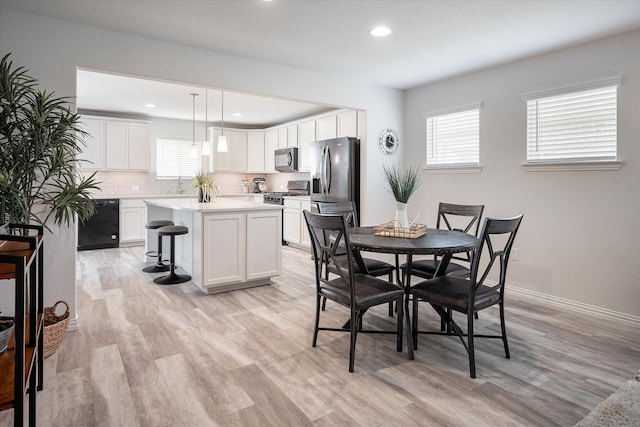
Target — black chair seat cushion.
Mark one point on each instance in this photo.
(157, 223)
(375, 267)
(453, 292)
(172, 230)
(368, 290)
(428, 267)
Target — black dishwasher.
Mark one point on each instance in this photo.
(102, 230)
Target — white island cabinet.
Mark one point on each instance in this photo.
(232, 244)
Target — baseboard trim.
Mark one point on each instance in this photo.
(575, 305)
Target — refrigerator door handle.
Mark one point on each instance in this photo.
(328, 171)
(323, 172)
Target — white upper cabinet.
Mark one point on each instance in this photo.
(234, 160)
(306, 135)
(283, 137)
(139, 143)
(326, 128)
(348, 124)
(292, 136)
(93, 151)
(116, 144)
(127, 145)
(270, 145)
(255, 152)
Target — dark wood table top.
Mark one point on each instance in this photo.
(436, 242)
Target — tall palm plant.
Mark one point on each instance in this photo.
(40, 142)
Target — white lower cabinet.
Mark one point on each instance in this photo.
(224, 239)
(133, 215)
(240, 249)
(294, 229)
(305, 239)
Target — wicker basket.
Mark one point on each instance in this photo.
(55, 328)
(394, 229)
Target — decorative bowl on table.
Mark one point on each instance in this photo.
(6, 327)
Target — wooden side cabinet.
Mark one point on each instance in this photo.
(21, 264)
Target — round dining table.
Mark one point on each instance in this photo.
(442, 243)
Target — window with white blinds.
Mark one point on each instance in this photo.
(453, 138)
(575, 126)
(173, 158)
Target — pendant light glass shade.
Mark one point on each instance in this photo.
(223, 147)
(206, 147)
(193, 153)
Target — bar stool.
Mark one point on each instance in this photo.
(159, 266)
(172, 278)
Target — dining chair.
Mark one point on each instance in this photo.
(452, 217)
(375, 267)
(358, 292)
(475, 293)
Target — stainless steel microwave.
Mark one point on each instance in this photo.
(286, 159)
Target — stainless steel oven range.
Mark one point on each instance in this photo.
(294, 188)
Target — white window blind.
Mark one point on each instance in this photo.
(173, 158)
(575, 126)
(453, 139)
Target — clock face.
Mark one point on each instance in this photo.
(388, 141)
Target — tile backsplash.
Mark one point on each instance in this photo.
(123, 183)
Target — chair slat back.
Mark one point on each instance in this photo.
(493, 250)
(346, 208)
(330, 241)
(461, 218)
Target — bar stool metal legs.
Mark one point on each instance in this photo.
(160, 265)
(173, 277)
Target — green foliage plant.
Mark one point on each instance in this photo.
(40, 143)
(402, 182)
(206, 185)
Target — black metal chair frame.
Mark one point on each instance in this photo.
(351, 215)
(445, 212)
(329, 235)
(448, 293)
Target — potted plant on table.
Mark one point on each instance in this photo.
(402, 183)
(206, 186)
(40, 143)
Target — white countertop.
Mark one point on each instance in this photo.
(167, 196)
(222, 204)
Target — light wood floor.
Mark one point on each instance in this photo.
(149, 355)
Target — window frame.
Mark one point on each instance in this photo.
(187, 143)
(578, 163)
(445, 168)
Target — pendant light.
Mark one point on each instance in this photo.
(194, 148)
(206, 146)
(223, 147)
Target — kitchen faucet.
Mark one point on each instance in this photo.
(180, 189)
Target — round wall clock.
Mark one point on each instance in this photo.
(388, 141)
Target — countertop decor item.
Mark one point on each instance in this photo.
(40, 142)
(55, 327)
(206, 186)
(402, 183)
(394, 229)
(6, 327)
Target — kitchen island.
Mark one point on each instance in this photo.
(232, 243)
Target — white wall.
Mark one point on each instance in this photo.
(52, 50)
(580, 233)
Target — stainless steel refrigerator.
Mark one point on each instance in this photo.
(335, 171)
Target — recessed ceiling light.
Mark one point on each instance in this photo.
(238, 114)
(150, 105)
(380, 31)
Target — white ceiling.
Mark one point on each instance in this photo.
(431, 40)
(101, 92)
